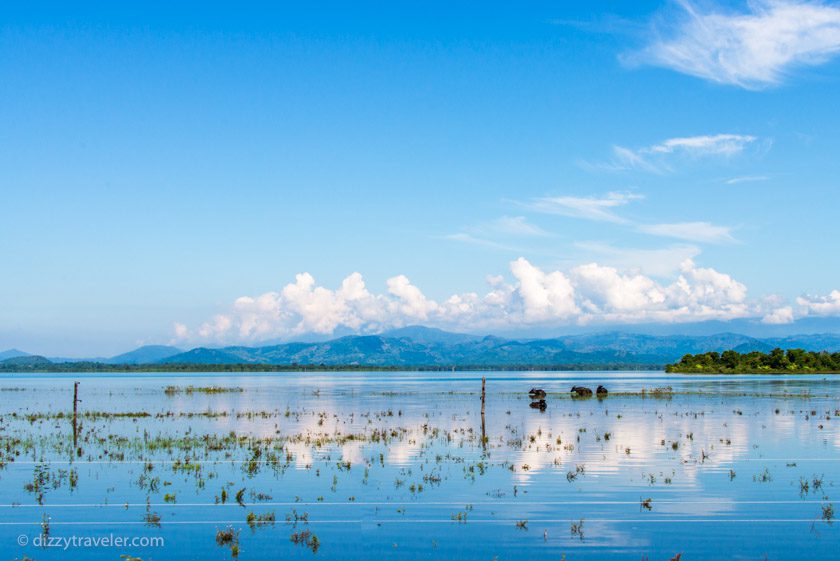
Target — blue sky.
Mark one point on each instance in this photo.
(167, 172)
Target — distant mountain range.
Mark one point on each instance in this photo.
(422, 346)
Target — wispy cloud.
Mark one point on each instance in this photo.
(752, 49)
(511, 226)
(661, 157)
(496, 233)
(747, 179)
(658, 262)
(590, 208)
(467, 238)
(603, 209)
(704, 145)
(691, 231)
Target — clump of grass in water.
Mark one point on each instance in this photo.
(804, 486)
(293, 517)
(307, 538)
(460, 516)
(763, 477)
(255, 520)
(828, 512)
(45, 527)
(229, 538)
(172, 390)
(576, 529)
(522, 524)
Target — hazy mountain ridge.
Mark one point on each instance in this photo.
(12, 353)
(422, 346)
(145, 354)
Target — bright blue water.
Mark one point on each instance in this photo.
(392, 465)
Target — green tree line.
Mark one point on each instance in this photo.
(777, 361)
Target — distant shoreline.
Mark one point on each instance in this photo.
(71, 367)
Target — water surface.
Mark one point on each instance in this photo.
(370, 465)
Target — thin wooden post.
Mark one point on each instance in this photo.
(75, 414)
(483, 400)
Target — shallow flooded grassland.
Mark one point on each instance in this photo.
(405, 466)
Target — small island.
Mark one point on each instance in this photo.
(777, 361)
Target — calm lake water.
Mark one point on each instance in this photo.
(393, 465)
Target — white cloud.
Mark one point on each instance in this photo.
(659, 262)
(544, 295)
(746, 179)
(705, 145)
(590, 208)
(660, 158)
(779, 316)
(604, 288)
(752, 49)
(181, 331)
(515, 226)
(820, 305)
(691, 231)
(493, 234)
(410, 301)
(467, 238)
(602, 209)
(707, 292)
(627, 159)
(586, 294)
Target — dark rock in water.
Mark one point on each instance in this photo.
(601, 391)
(536, 393)
(541, 405)
(580, 391)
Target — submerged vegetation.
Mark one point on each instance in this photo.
(777, 361)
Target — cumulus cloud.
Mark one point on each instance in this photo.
(778, 312)
(752, 49)
(544, 295)
(779, 316)
(585, 294)
(820, 305)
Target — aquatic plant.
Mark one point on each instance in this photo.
(576, 529)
